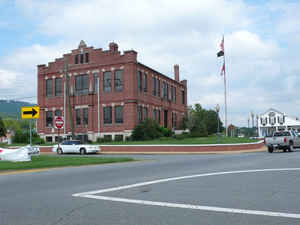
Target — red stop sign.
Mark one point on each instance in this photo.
(59, 122)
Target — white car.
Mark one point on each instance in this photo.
(75, 146)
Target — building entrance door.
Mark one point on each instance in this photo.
(166, 118)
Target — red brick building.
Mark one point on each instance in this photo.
(110, 93)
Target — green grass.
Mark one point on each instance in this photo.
(44, 161)
(185, 141)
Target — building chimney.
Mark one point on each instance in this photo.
(113, 47)
(176, 72)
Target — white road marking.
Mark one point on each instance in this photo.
(92, 195)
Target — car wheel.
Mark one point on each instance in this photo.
(270, 149)
(59, 151)
(291, 147)
(82, 151)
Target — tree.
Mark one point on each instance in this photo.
(202, 122)
(2, 128)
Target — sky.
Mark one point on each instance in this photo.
(261, 40)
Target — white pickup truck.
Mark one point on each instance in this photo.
(75, 146)
(285, 140)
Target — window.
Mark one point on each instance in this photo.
(145, 82)
(82, 84)
(96, 82)
(107, 81)
(174, 120)
(86, 57)
(183, 97)
(49, 119)
(158, 111)
(145, 113)
(153, 86)
(76, 59)
(81, 58)
(78, 117)
(140, 78)
(154, 114)
(107, 112)
(119, 114)
(173, 94)
(119, 80)
(58, 112)
(165, 90)
(158, 87)
(49, 90)
(140, 114)
(85, 116)
(58, 87)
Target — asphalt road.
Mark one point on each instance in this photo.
(186, 189)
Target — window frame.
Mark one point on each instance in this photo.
(49, 90)
(58, 91)
(118, 86)
(119, 120)
(81, 81)
(106, 120)
(107, 84)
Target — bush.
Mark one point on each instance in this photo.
(118, 137)
(147, 130)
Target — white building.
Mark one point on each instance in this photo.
(273, 120)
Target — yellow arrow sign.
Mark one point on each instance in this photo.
(30, 112)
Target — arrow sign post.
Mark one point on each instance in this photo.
(30, 112)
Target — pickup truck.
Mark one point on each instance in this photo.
(75, 146)
(285, 140)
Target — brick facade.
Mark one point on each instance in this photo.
(86, 64)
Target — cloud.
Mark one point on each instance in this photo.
(261, 71)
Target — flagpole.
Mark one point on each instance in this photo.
(225, 95)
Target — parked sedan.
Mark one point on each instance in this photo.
(75, 146)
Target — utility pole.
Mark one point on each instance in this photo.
(69, 98)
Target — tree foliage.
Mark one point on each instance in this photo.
(202, 122)
(2, 128)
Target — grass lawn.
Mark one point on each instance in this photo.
(185, 141)
(44, 161)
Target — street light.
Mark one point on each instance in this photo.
(218, 110)
(252, 116)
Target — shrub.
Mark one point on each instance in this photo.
(118, 137)
(147, 130)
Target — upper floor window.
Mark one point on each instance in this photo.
(173, 94)
(96, 82)
(165, 90)
(107, 81)
(107, 113)
(82, 84)
(58, 87)
(118, 80)
(49, 87)
(139, 81)
(86, 57)
(119, 114)
(145, 82)
(154, 86)
(82, 58)
(183, 96)
(158, 87)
